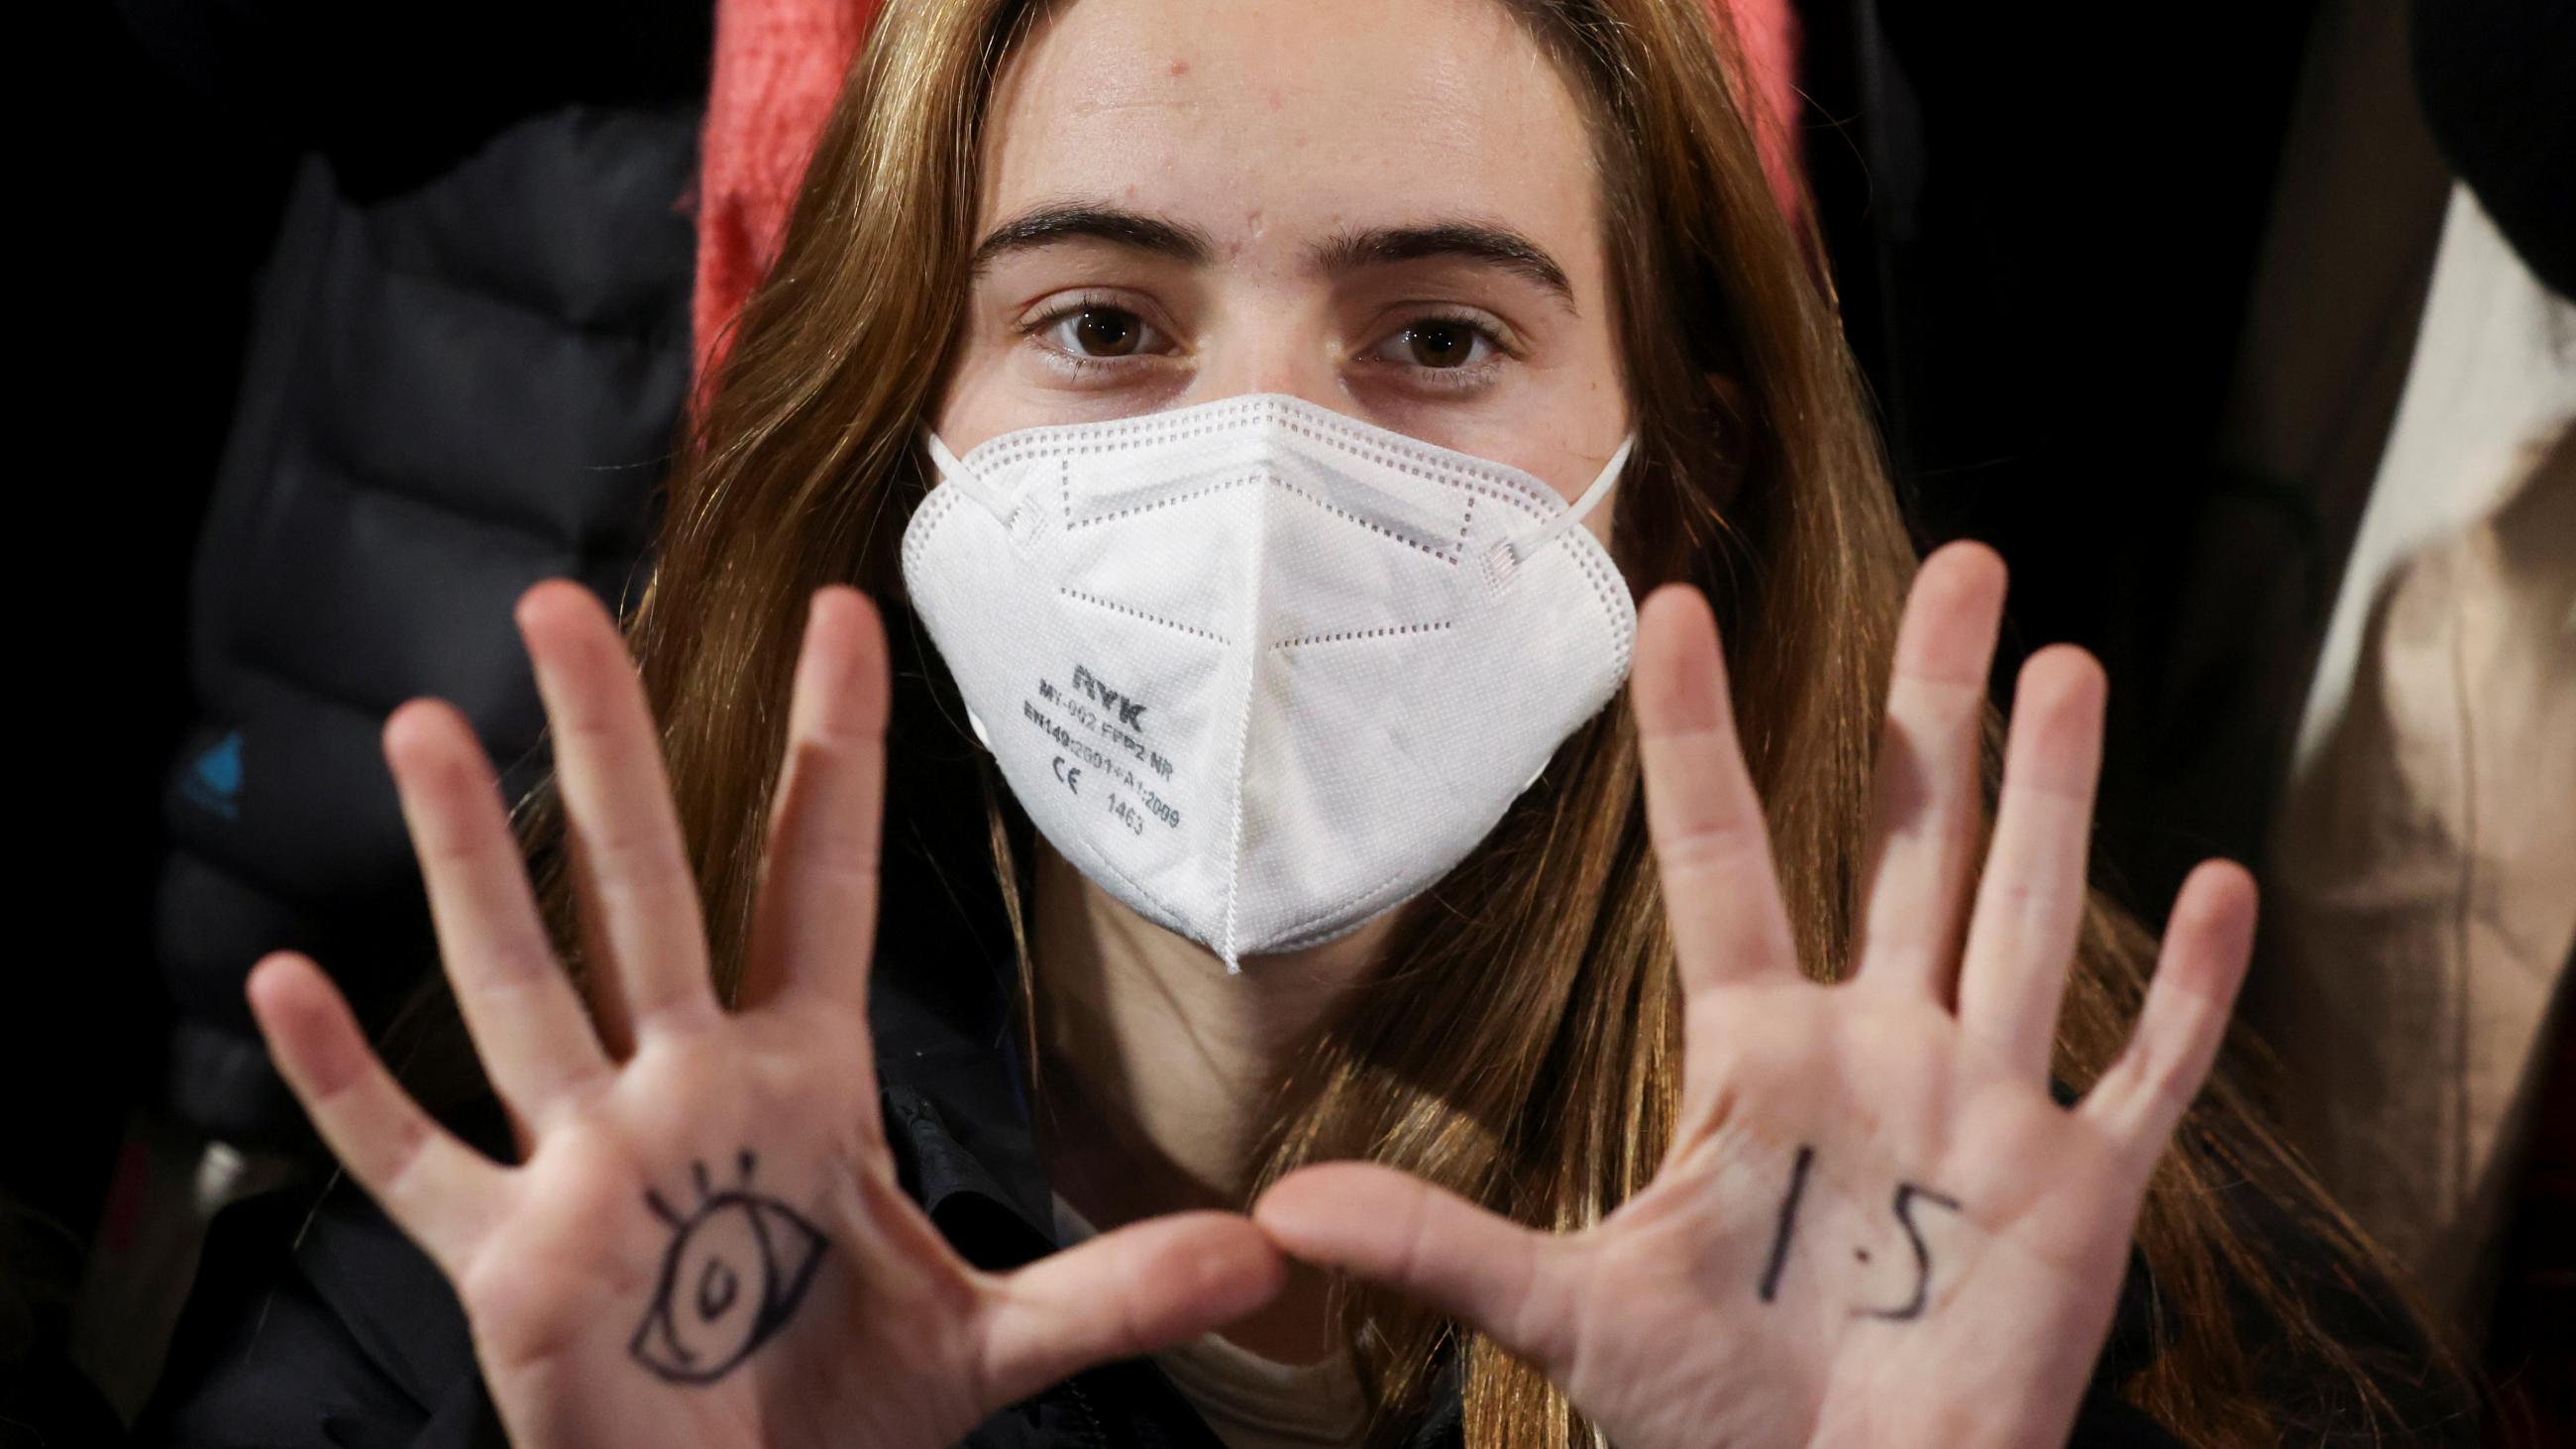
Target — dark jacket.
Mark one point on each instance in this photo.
(466, 360)
(349, 1337)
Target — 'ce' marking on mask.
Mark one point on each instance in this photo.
(1072, 777)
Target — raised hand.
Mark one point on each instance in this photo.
(1874, 1226)
(704, 1244)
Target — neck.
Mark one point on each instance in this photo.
(1162, 1073)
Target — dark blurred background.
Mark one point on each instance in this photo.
(381, 317)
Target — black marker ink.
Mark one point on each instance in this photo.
(702, 1321)
(1788, 1214)
(1906, 1194)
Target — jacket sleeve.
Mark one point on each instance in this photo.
(318, 1327)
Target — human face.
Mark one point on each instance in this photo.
(1386, 207)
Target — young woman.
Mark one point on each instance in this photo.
(1311, 1002)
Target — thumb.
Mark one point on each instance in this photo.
(1392, 1228)
(1123, 1294)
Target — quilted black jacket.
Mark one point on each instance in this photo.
(467, 355)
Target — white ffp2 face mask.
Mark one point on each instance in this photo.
(1259, 670)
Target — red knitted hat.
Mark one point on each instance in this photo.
(779, 66)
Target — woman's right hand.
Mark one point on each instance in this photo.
(704, 1243)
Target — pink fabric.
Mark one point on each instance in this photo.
(778, 68)
(779, 65)
(1767, 30)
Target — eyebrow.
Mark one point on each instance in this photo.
(1476, 241)
(1049, 225)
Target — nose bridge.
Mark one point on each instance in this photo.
(1305, 380)
(1276, 346)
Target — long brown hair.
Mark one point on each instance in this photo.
(1520, 1042)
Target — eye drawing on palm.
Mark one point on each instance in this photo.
(733, 1275)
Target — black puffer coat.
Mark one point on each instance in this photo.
(469, 350)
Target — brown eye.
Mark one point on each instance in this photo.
(1441, 344)
(1452, 352)
(1106, 332)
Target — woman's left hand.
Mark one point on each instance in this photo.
(1874, 1225)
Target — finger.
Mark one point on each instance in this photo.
(1392, 1228)
(1121, 1295)
(2209, 938)
(617, 800)
(599, 989)
(814, 927)
(526, 1020)
(1925, 796)
(2030, 903)
(1712, 847)
(439, 1191)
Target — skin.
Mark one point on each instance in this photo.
(1712, 1308)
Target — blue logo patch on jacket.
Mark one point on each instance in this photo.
(214, 781)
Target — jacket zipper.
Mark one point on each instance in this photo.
(1090, 1416)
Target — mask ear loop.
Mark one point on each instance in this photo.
(1522, 548)
(964, 477)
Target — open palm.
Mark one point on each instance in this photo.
(705, 1243)
(1875, 1225)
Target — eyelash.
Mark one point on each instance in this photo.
(1459, 379)
(1073, 362)
(1464, 378)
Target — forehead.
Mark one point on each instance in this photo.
(1249, 116)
